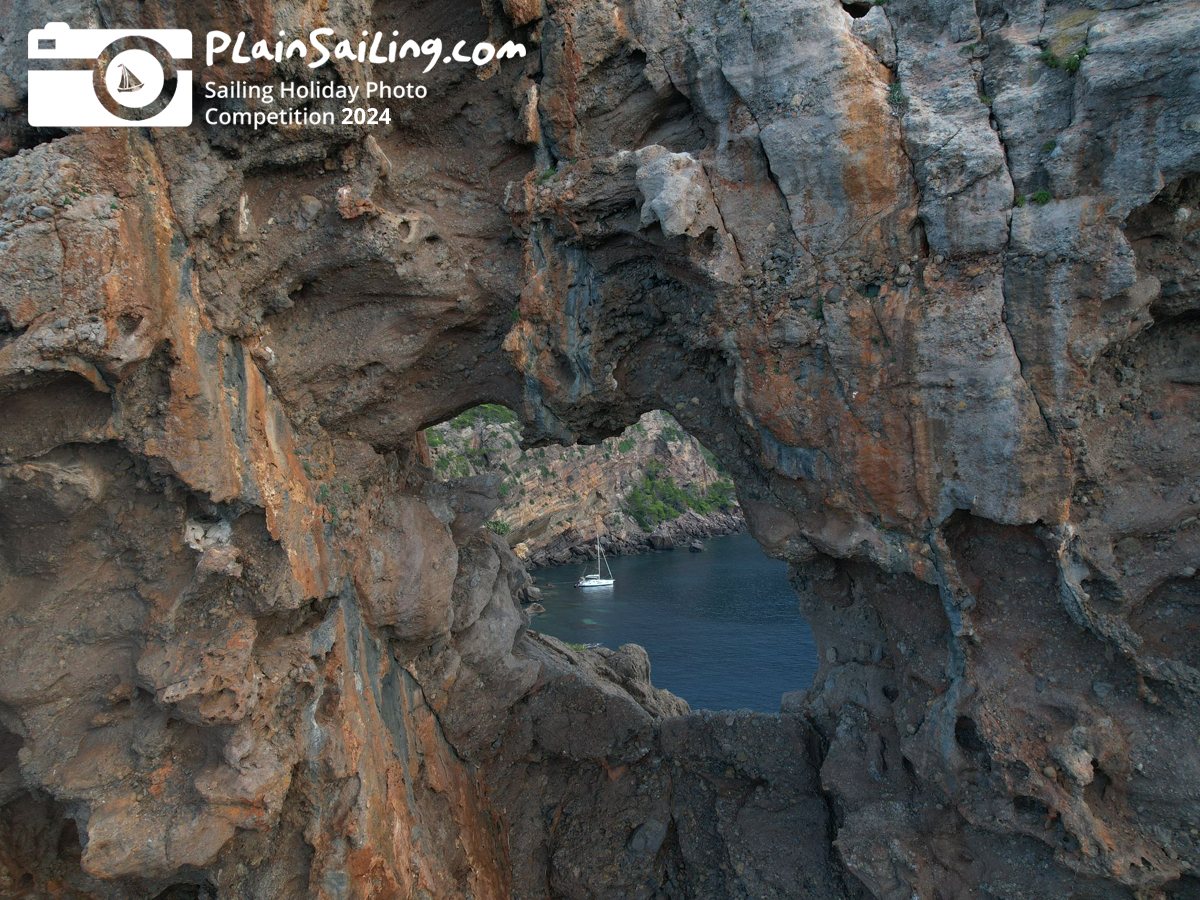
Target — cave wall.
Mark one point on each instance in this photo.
(923, 276)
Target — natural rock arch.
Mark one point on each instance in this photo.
(217, 667)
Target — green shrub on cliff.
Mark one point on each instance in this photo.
(453, 465)
(720, 496)
(487, 414)
(657, 498)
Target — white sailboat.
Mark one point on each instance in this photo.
(596, 579)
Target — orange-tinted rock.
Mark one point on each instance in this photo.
(945, 343)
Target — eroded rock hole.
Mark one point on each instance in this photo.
(8, 331)
(16, 135)
(967, 735)
(652, 511)
(857, 10)
(128, 324)
(53, 410)
(1032, 810)
(1097, 792)
(1163, 234)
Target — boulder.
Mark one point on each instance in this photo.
(407, 572)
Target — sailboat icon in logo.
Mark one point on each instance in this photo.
(129, 82)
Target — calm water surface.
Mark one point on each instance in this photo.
(723, 627)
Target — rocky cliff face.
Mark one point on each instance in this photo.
(926, 279)
(555, 501)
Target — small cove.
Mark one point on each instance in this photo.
(723, 627)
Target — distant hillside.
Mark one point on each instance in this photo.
(652, 486)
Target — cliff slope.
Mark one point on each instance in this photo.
(654, 481)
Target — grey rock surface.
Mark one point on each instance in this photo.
(925, 280)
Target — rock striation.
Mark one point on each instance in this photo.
(925, 278)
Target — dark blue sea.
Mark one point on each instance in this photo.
(723, 627)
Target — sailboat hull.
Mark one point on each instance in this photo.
(597, 579)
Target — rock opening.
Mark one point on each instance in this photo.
(720, 619)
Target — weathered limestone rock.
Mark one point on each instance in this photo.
(924, 277)
(406, 571)
(678, 194)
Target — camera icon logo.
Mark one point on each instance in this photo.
(109, 77)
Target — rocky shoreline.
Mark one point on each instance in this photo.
(568, 549)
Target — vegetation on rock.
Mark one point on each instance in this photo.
(658, 499)
(623, 486)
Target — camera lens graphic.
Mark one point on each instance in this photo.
(134, 78)
(131, 78)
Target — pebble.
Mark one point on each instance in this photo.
(1048, 771)
(1101, 689)
(42, 212)
(648, 837)
(310, 207)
